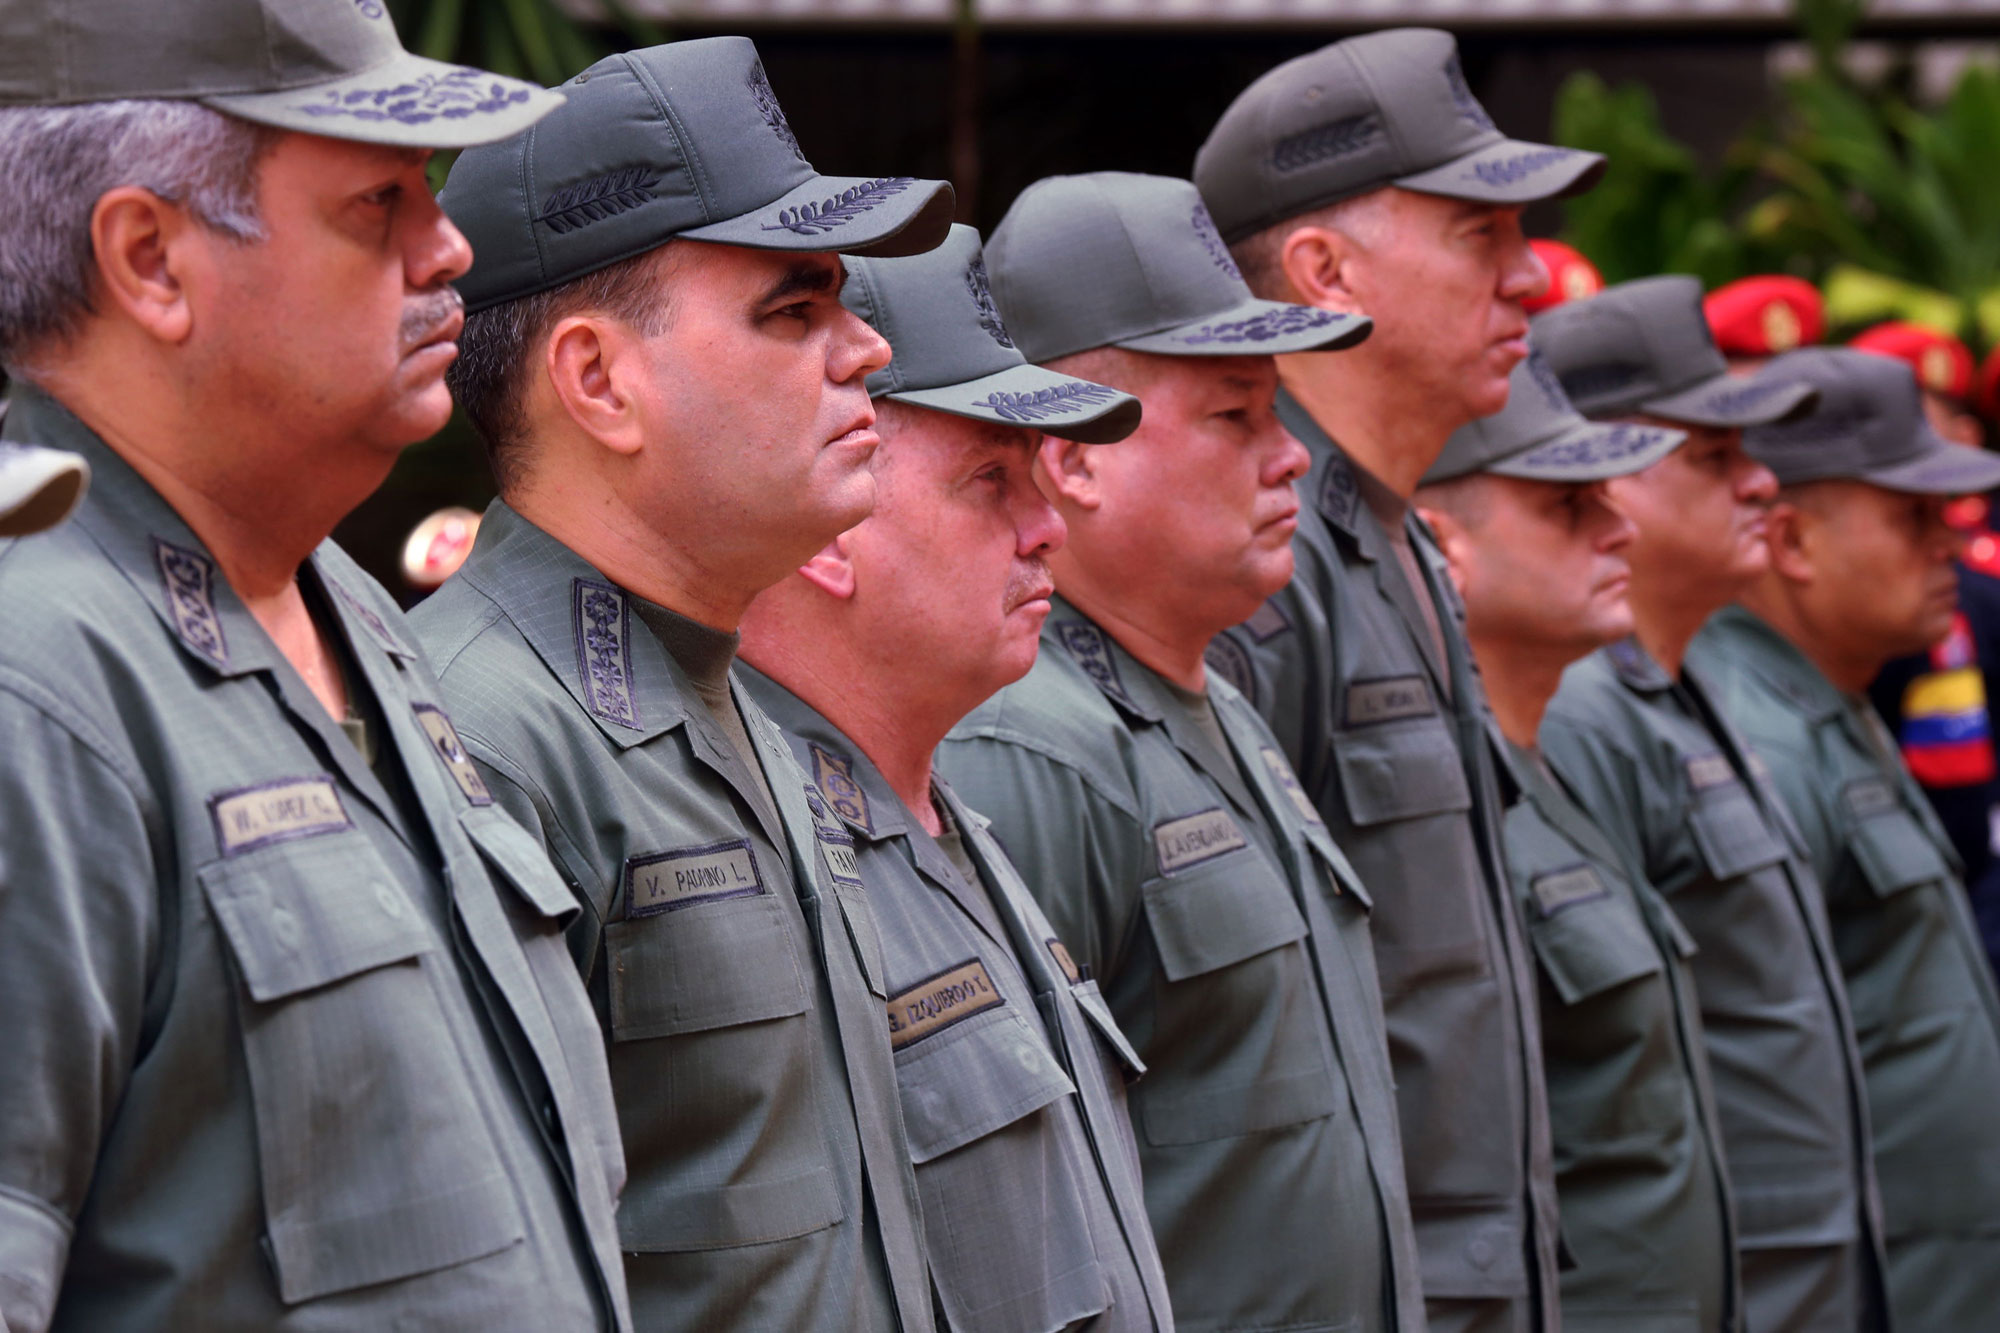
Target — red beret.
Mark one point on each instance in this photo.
(1571, 276)
(1943, 363)
(1988, 390)
(1765, 315)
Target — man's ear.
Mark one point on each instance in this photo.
(1792, 534)
(1319, 263)
(1066, 470)
(140, 242)
(1453, 540)
(591, 363)
(832, 570)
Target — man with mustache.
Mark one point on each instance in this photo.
(1366, 177)
(290, 1036)
(1150, 810)
(674, 402)
(1521, 506)
(1011, 1070)
(1638, 734)
(1860, 571)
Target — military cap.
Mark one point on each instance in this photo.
(684, 140)
(1765, 315)
(1113, 259)
(1645, 346)
(38, 487)
(1942, 363)
(1571, 276)
(1387, 108)
(1540, 436)
(953, 352)
(326, 67)
(1869, 425)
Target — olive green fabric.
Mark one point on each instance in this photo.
(1925, 1013)
(289, 1044)
(1012, 1074)
(739, 986)
(1388, 738)
(1638, 1149)
(1231, 941)
(1665, 776)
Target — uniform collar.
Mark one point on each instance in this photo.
(1634, 666)
(585, 629)
(1776, 661)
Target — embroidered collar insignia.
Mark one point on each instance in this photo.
(834, 775)
(189, 577)
(1086, 646)
(603, 650)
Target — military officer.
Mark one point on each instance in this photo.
(1520, 507)
(291, 1038)
(1860, 571)
(1639, 738)
(1366, 176)
(1152, 813)
(673, 398)
(1012, 1071)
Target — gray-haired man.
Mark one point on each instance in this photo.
(290, 1037)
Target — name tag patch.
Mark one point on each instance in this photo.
(1560, 889)
(1709, 770)
(836, 849)
(1282, 772)
(1192, 839)
(1373, 701)
(1868, 797)
(1063, 960)
(444, 740)
(935, 1003)
(252, 817)
(669, 881)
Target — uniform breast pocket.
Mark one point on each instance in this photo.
(1004, 1220)
(1236, 1007)
(1591, 946)
(1731, 832)
(715, 1064)
(373, 1152)
(1895, 854)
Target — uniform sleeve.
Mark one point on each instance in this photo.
(1079, 853)
(1605, 782)
(80, 925)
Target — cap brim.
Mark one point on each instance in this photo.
(410, 102)
(1733, 401)
(1036, 399)
(1511, 171)
(38, 488)
(1595, 451)
(1257, 328)
(880, 218)
(1943, 468)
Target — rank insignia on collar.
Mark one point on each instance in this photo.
(445, 743)
(834, 775)
(1087, 647)
(1227, 659)
(189, 577)
(603, 650)
(1339, 491)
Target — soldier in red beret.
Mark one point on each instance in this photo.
(1944, 369)
(1571, 276)
(1757, 318)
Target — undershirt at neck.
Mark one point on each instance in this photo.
(1391, 510)
(705, 656)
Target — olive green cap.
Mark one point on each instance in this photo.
(953, 354)
(326, 67)
(1540, 436)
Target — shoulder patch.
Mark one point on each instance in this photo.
(937, 1002)
(247, 818)
(1227, 659)
(1268, 623)
(445, 743)
(1568, 887)
(1189, 840)
(189, 578)
(1061, 954)
(1709, 770)
(669, 881)
(1281, 773)
(1388, 699)
(1339, 491)
(1087, 647)
(603, 624)
(834, 775)
(1865, 798)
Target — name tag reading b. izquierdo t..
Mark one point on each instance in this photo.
(669, 881)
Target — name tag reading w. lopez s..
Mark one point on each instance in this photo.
(252, 817)
(937, 1002)
(669, 881)
(1191, 839)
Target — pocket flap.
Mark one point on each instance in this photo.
(1218, 913)
(304, 914)
(964, 1083)
(1400, 771)
(710, 966)
(1340, 871)
(513, 851)
(1590, 947)
(1895, 854)
(1091, 1000)
(1731, 832)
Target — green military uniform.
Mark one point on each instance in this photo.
(1658, 768)
(1012, 1070)
(1388, 737)
(1168, 842)
(739, 983)
(1925, 1013)
(1638, 1149)
(291, 1037)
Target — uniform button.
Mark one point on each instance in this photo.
(386, 898)
(1481, 1253)
(285, 927)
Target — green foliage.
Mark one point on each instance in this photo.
(527, 39)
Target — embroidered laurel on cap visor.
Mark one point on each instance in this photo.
(1114, 259)
(953, 352)
(39, 488)
(1540, 436)
(684, 140)
(328, 67)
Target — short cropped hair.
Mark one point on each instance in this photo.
(1261, 255)
(500, 344)
(57, 161)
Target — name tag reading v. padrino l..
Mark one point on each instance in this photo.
(669, 881)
